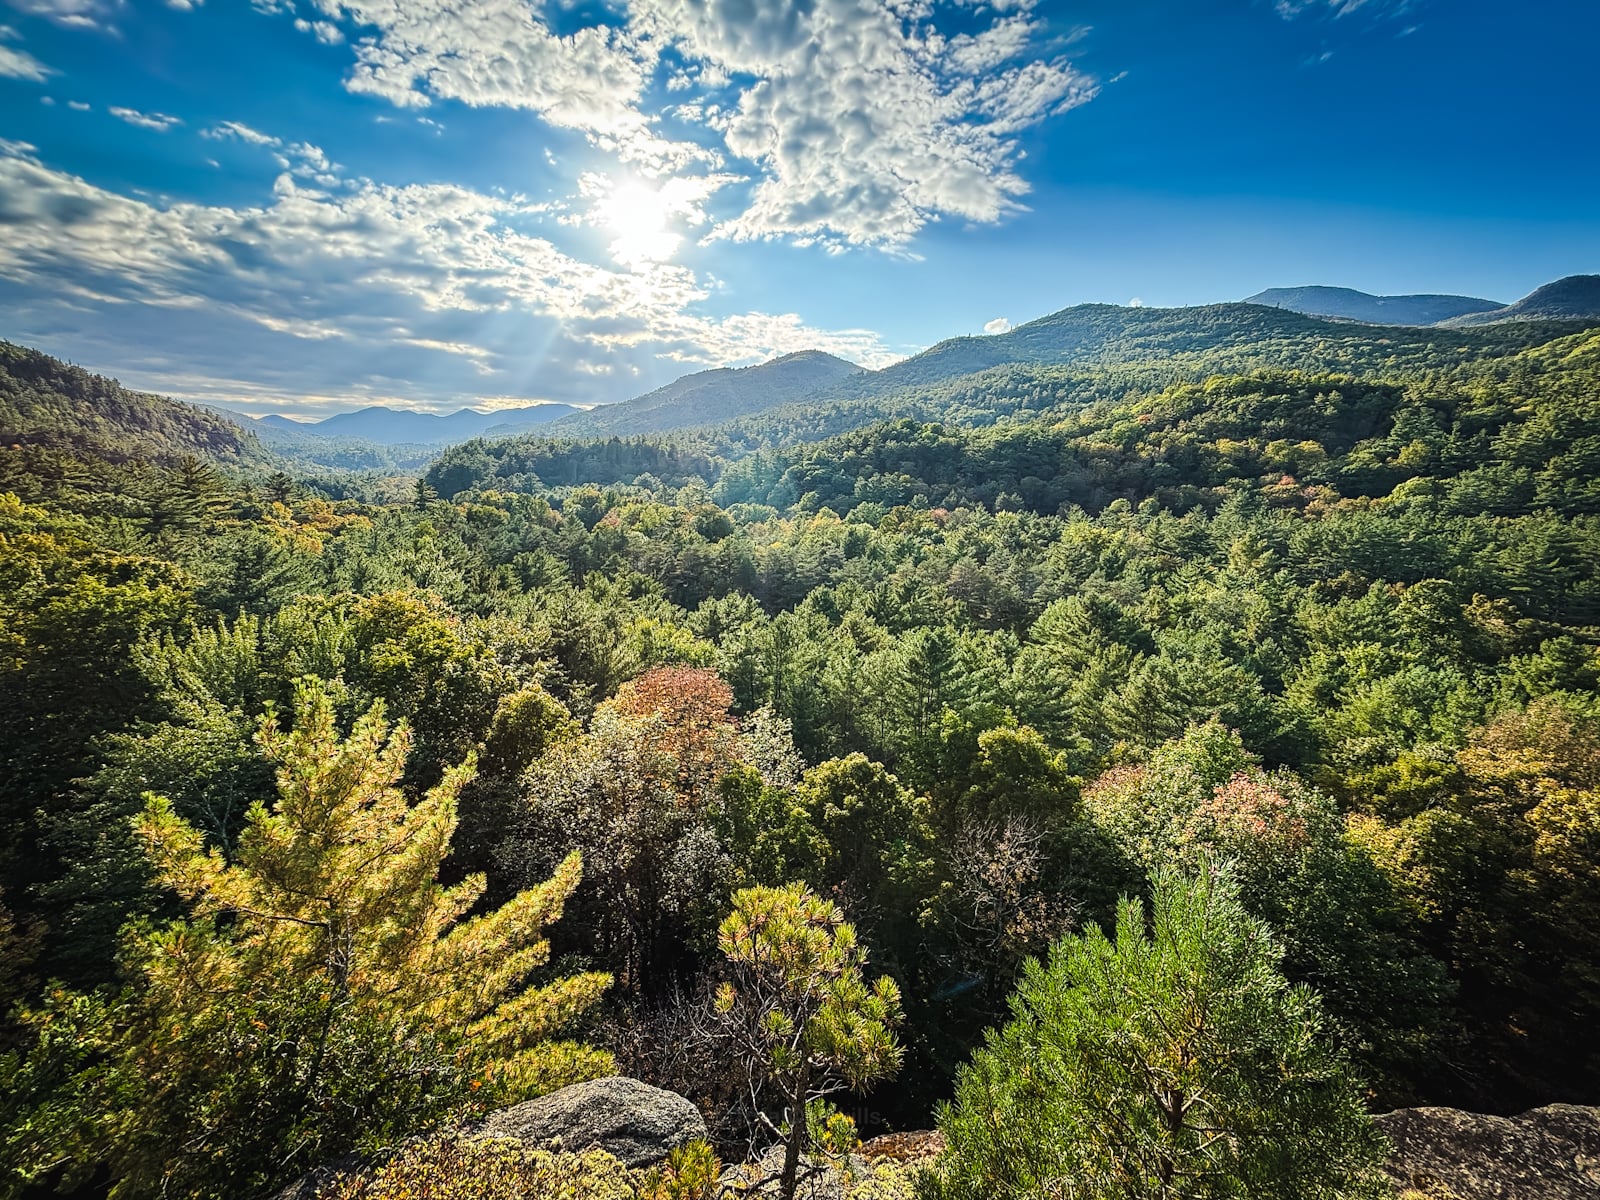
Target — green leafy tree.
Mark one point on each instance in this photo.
(1172, 1062)
(800, 1009)
(1343, 925)
(70, 614)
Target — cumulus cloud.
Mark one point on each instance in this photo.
(325, 32)
(861, 119)
(239, 131)
(864, 119)
(497, 53)
(998, 325)
(431, 290)
(160, 122)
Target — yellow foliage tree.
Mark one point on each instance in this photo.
(325, 990)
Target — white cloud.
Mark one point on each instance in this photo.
(867, 123)
(74, 14)
(1289, 9)
(368, 287)
(79, 105)
(160, 122)
(239, 131)
(998, 325)
(19, 64)
(861, 119)
(326, 32)
(496, 53)
(1136, 303)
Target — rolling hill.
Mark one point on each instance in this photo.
(1205, 338)
(1100, 351)
(1351, 305)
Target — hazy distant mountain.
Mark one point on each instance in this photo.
(395, 427)
(287, 424)
(708, 397)
(1351, 305)
(1577, 297)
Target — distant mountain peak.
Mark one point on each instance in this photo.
(808, 356)
(718, 394)
(403, 426)
(1572, 298)
(1347, 304)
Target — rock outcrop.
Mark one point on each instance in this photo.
(1550, 1153)
(632, 1121)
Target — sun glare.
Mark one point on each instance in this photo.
(640, 216)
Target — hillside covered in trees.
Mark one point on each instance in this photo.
(1240, 648)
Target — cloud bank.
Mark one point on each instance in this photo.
(859, 120)
(385, 291)
(839, 124)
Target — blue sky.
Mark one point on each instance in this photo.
(303, 206)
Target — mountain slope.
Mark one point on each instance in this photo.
(708, 397)
(1574, 298)
(1351, 305)
(1513, 435)
(1104, 335)
(1105, 349)
(47, 403)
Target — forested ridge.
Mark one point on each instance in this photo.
(1267, 665)
(46, 402)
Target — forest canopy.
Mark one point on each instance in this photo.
(973, 669)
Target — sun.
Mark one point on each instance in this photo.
(640, 216)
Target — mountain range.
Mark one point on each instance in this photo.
(1574, 297)
(1351, 305)
(1089, 351)
(394, 427)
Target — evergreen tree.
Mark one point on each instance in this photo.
(325, 991)
(1173, 1062)
(800, 1009)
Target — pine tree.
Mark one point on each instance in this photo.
(324, 989)
(799, 1007)
(1173, 1062)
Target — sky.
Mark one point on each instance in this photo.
(309, 206)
